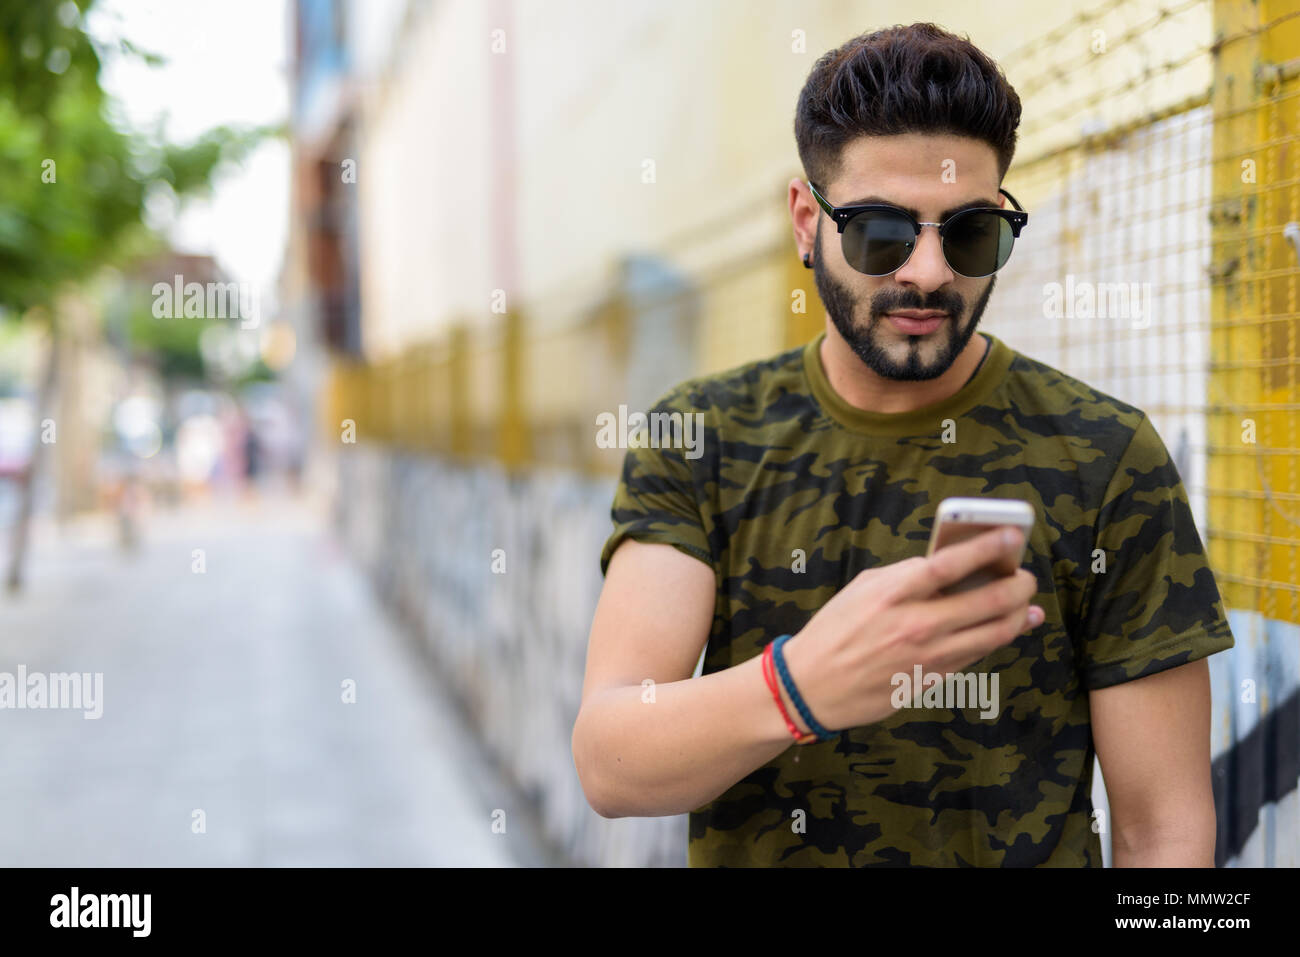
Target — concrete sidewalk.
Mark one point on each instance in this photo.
(223, 694)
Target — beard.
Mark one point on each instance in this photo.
(867, 342)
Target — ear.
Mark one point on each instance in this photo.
(804, 214)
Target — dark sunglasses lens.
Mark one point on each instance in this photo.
(977, 244)
(878, 242)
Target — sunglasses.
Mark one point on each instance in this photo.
(879, 240)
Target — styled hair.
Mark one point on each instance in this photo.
(917, 78)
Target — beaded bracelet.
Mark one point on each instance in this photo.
(769, 675)
(793, 692)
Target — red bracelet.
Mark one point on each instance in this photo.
(769, 675)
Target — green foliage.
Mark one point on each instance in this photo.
(44, 53)
(172, 344)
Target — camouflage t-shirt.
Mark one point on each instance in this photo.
(793, 491)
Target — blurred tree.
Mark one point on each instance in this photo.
(74, 184)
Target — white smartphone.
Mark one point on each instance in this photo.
(961, 518)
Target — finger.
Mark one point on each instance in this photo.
(951, 564)
(969, 645)
(993, 600)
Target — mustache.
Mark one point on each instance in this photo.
(943, 300)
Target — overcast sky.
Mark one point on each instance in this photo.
(227, 62)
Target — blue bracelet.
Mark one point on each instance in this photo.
(793, 692)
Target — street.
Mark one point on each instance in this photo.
(230, 645)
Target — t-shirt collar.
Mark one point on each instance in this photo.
(923, 421)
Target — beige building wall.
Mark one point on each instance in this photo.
(422, 176)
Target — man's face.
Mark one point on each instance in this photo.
(868, 311)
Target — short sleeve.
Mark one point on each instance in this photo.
(1156, 604)
(659, 495)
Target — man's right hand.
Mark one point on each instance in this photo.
(888, 620)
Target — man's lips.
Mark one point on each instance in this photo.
(916, 322)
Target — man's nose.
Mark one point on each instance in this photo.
(927, 270)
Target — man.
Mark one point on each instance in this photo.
(809, 512)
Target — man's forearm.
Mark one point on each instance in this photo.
(637, 758)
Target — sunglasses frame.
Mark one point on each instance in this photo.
(842, 215)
